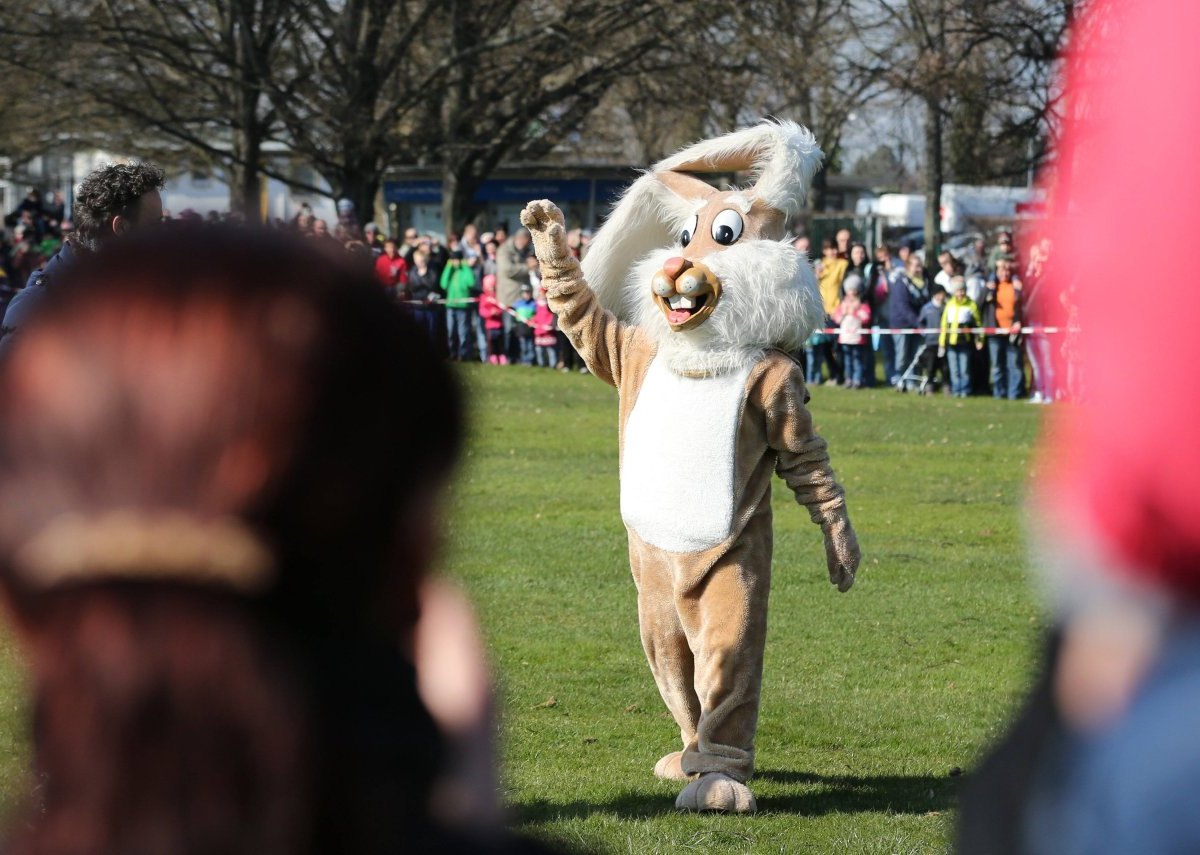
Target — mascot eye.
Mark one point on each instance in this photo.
(689, 231)
(727, 227)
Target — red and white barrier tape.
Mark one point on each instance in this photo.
(442, 302)
(1031, 330)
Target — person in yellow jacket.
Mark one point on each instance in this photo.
(955, 340)
(831, 270)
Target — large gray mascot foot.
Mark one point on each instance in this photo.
(716, 791)
(670, 767)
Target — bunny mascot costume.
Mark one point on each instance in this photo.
(688, 303)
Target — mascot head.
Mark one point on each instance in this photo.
(707, 272)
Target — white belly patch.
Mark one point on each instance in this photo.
(677, 467)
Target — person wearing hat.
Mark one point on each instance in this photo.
(851, 315)
(930, 320)
(347, 215)
(955, 341)
(373, 238)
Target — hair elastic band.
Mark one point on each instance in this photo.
(138, 545)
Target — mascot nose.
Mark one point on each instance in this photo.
(675, 265)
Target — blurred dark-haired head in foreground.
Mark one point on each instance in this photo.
(220, 456)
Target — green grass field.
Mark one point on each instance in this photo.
(872, 700)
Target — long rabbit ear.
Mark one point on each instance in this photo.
(649, 216)
(783, 156)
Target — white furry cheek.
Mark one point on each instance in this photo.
(768, 299)
(769, 296)
(639, 295)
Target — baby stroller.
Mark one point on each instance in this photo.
(914, 374)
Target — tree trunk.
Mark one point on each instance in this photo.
(244, 187)
(820, 181)
(458, 199)
(453, 192)
(933, 180)
(816, 192)
(248, 132)
(452, 202)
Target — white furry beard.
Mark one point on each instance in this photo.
(769, 298)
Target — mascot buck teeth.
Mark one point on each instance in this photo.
(689, 303)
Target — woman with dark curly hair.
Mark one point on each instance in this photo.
(213, 532)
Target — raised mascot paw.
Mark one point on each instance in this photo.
(842, 554)
(548, 229)
(669, 768)
(716, 791)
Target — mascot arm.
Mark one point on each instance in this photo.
(596, 333)
(803, 464)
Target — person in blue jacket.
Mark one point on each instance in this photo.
(907, 293)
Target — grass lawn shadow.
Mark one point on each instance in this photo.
(630, 804)
(822, 794)
(858, 794)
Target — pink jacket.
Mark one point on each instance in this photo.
(852, 315)
(490, 311)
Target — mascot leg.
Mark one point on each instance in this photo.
(725, 617)
(667, 651)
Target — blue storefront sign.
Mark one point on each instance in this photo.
(429, 192)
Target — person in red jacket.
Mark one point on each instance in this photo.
(392, 270)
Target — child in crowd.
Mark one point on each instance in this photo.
(960, 313)
(545, 342)
(851, 315)
(491, 314)
(930, 318)
(816, 350)
(525, 308)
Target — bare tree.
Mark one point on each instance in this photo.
(806, 66)
(987, 65)
(176, 72)
(538, 76)
(353, 87)
(461, 84)
(348, 93)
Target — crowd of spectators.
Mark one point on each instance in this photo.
(995, 288)
(477, 295)
(32, 233)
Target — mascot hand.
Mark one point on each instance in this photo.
(841, 549)
(547, 227)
